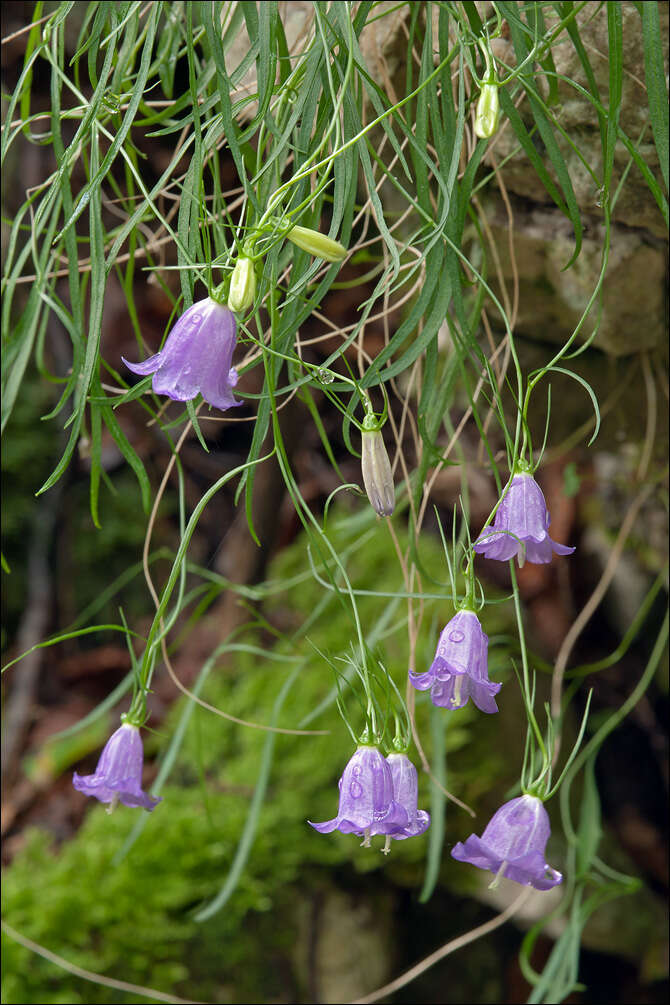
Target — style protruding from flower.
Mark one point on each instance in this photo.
(513, 844)
(367, 804)
(487, 115)
(317, 244)
(376, 468)
(520, 526)
(406, 794)
(242, 288)
(118, 776)
(460, 668)
(196, 357)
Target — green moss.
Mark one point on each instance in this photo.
(134, 920)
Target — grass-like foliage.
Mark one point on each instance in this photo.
(171, 150)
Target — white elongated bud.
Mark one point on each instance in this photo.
(376, 469)
(488, 112)
(242, 288)
(317, 244)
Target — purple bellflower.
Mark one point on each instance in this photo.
(406, 794)
(520, 526)
(196, 357)
(460, 669)
(118, 776)
(513, 844)
(367, 804)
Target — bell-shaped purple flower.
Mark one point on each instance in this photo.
(367, 806)
(520, 526)
(460, 668)
(196, 357)
(118, 776)
(513, 844)
(406, 794)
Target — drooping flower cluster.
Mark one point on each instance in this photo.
(460, 668)
(118, 776)
(513, 844)
(378, 795)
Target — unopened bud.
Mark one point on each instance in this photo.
(376, 468)
(242, 288)
(488, 112)
(317, 244)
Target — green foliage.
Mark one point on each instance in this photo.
(179, 136)
(133, 919)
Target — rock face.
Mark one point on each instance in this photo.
(576, 116)
(551, 301)
(631, 316)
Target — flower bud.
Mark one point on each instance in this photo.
(317, 244)
(488, 112)
(242, 286)
(376, 468)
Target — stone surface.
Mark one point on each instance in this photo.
(552, 301)
(576, 116)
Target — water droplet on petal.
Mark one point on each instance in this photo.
(456, 636)
(196, 319)
(355, 790)
(356, 770)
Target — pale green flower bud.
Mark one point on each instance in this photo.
(376, 468)
(242, 288)
(317, 244)
(488, 112)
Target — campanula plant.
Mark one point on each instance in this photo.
(406, 794)
(521, 524)
(118, 776)
(513, 844)
(459, 670)
(197, 357)
(367, 804)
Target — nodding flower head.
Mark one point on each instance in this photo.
(460, 668)
(196, 357)
(513, 844)
(406, 794)
(520, 526)
(118, 776)
(367, 805)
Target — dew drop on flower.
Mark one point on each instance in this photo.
(456, 636)
(196, 319)
(356, 790)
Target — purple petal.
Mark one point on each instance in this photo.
(327, 827)
(148, 366)
(422, 681)
(483, 696)
(497, 545)
(118, 775)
